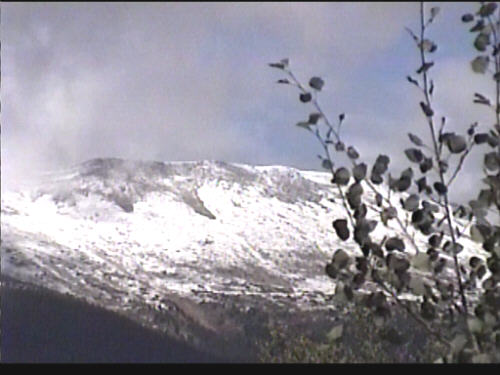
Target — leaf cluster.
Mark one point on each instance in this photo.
(464, 295)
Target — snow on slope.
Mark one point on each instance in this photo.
(114, 232)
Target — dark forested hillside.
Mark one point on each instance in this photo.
(42, 326)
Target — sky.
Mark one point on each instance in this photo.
(190, 81)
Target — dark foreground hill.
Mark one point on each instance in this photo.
(39, 325)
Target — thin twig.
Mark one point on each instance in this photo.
(336, 134)
(341, 193)
(460, 164)
(441, 174)
(497, 69)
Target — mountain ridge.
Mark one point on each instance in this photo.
(177, 246)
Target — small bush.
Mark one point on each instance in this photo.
(363, 340)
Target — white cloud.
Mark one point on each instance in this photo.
(185, 81)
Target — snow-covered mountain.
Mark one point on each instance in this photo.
(190, 248)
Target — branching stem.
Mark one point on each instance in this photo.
(440, 172)
(327, 153)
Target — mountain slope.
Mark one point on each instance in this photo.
(199, 250)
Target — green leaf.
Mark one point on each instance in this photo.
(352, 153)
(481, 99)
(481, 42)
(340, 146)
(479, 26)
(475, 324)
(340, 226)
(474, 262)
(493, 140)
(428, 46)
(476, 234)
(353, 199)
(361, 232)
(415, 140)
(456, 143)
(487, 9)
(397, 263)
(314, 117)
(355, 189)
(481, 271)
(277, 65)
(480, 64)
(403, 183)
(304, 125)
(425, 67)
(359, 171)
(417, 285)
(481, 138)
(467, 17)
(440, 264)
(434, 12)
(381, 165)
(305, 97)
(360, 212)
(491, 161)
(458, 342)
(316, 83)
(335, 333)
(411, 203)
(407, 173)
(327, 164)
(440, 188)
(418, 217)
(281, 65)
(457, 248)
(426, 109)
(411, 80)
(390, 212)
(421, 262)
(443, 166)
(384, 217)
(331, 271)
(426, 165)
(340, 259)
(395, 243)
(435, 240)
(340, 296)
(414, 155)
(376, 178)
(359, 279)
(421, 184)
(384, 159)
(410, 31)
(342, 176)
